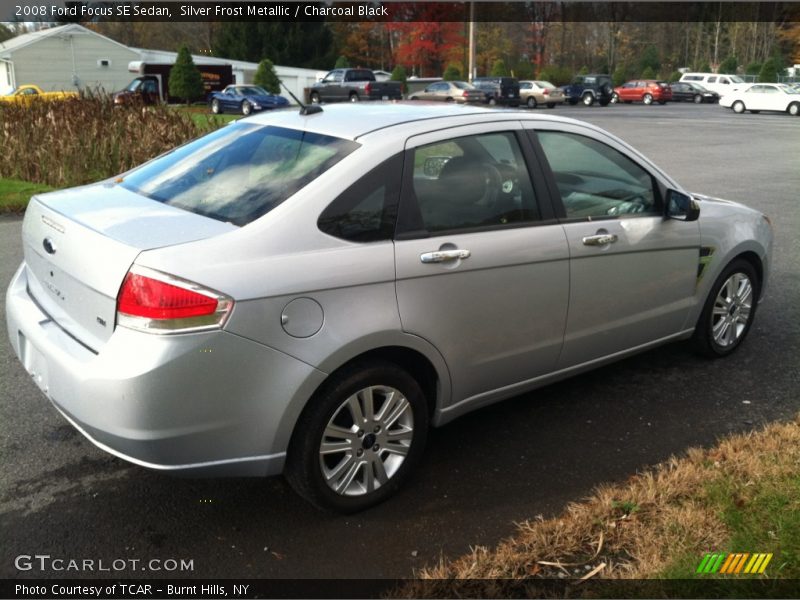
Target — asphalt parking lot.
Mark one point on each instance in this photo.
(531, 455)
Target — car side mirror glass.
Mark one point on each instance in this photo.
(681, 207)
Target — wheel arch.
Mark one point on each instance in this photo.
(411, 353)
(755, 260)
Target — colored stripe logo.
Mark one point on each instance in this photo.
(737, 563)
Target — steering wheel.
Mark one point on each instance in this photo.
(631, 205)
(493, 184)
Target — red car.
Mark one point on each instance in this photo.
(642, 90)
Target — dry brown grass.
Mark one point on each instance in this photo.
(630, 531)
(81, 140)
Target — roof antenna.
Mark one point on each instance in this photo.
(305, 109)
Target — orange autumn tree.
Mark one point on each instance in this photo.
(429, 39)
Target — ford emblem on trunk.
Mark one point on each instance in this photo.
(49, 247)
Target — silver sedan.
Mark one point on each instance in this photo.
(307, 293)
(451, 91)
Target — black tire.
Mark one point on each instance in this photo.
(314, 97)
(531, 102)
(551, 105)
(794, 109)
(738, 107)
(647, 99)
(304, 469)
(247, 108)
(354, 97)
(587, 99)
(492, 102)
(614, 98)
(698, 99)
(703, 339)
(216, 107)
(449, 100)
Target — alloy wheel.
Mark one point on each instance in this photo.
(732, 308)
(366, 440)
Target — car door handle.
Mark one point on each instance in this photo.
(444, 255)
(600, 240)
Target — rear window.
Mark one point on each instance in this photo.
(238, 173)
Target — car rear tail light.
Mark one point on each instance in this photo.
(368, 89)
(546, 92)
(465, 93)
(155, 302)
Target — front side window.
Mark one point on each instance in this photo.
(470, 182)
(595, 180)
(239, 172)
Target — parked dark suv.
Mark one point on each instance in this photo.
(590, 89)
(499, 90)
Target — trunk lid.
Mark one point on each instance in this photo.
(79, 244)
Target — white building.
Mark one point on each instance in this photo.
(72, 57)
(69, 57)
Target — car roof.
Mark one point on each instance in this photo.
(356, 120)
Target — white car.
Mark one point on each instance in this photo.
(763, 96)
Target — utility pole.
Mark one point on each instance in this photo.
(471, 41)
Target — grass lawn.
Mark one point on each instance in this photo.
(14, 194)
(202, 117)
(648, 536)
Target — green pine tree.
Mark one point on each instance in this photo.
(499, 68)
(523, 70)
(399, 74)
(185, 81)
(342, 63)
(650, 59)
(769, 71)
(754, 68)
(452, 73)
(729, 65)
(648, 73)
(267, 78)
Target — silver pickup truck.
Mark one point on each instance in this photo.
(353, 85)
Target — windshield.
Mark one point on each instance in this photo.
(253, 90)
(735, 79)
(133, 85)
(238, 173)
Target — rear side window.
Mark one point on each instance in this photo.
(367, 210)
(240, 172)
(468, 183)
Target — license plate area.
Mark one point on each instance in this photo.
(34, 362)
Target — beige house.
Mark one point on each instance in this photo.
(69, 57)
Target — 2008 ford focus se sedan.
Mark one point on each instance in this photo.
(307, 293)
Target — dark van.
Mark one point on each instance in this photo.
(499, 90)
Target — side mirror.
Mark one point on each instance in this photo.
(681, 207)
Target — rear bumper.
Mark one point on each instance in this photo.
(209, 403)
